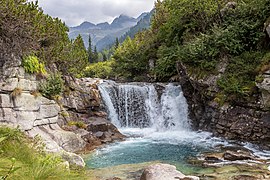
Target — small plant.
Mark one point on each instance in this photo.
(11, 170)
(16, 92)
(220, 99)
(35, 93)
(52, 86)
(259, 78)
(32, 65)
(64, 114)
(79, 124)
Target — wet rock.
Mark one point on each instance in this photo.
(164, 172)
(244, 177)
(213, 158)
(239, 155)
(104, 130)
(92, 141)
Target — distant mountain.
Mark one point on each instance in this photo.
(84, 25)
(103, 25)
(142, 16)
(123, 21)
(104, 34)
(143, 22)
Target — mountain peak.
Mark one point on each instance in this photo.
(85, 25)
(122, 19)
(142, 16)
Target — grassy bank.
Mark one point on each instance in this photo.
(24, 159)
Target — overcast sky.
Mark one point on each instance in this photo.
(74, 12)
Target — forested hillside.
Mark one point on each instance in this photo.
(26, 30)
(205, 36)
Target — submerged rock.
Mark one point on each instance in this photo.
(164, 172)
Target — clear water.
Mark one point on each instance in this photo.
(148, 145)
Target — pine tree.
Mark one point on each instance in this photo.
(95, 55)
(90, 51)
(104, 57)
(116, 43)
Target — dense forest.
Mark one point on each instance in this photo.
(27, 31)
(202, 35)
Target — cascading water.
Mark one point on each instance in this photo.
(154, 117)
(138, 105)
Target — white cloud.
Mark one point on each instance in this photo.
(74, 12)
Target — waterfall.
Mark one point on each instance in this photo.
(142, 105)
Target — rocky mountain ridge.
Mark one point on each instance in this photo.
(104, 34)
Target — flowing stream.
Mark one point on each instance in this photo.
(154, 117)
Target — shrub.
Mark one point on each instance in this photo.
(239, 77)
(79, 124)
(32, 65)
(52, 86)
(165, 65)
(100, 70)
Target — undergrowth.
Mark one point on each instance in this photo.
(24, 159)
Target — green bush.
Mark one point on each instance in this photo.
(32, 65)
(240, 75)
(100, 70)
(52, 86)
(166, 63)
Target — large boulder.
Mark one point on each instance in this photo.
(104, 130)
(57, 139)
(164, 172)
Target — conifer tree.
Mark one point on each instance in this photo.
(116, 43)
(89, 50)
(95, 55)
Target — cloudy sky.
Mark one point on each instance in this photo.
(74, 12)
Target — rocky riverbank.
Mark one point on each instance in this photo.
(75, 122)
(247, 121)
